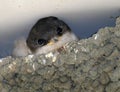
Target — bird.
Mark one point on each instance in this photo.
(48, 34)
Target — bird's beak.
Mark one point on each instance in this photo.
(51, 43)
(53, 40)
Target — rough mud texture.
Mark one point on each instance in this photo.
(89, 65)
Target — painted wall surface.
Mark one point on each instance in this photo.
(84, 17)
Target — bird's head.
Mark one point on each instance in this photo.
(46, 32)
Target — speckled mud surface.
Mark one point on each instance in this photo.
(89, 65)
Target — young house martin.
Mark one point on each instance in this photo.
(48, 34)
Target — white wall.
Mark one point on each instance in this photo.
(16, 12)
(18, 16)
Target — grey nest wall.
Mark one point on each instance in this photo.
(89, 65)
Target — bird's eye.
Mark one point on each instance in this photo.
(42, 42)
(59, 31)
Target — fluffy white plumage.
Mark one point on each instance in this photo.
(20, 48)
